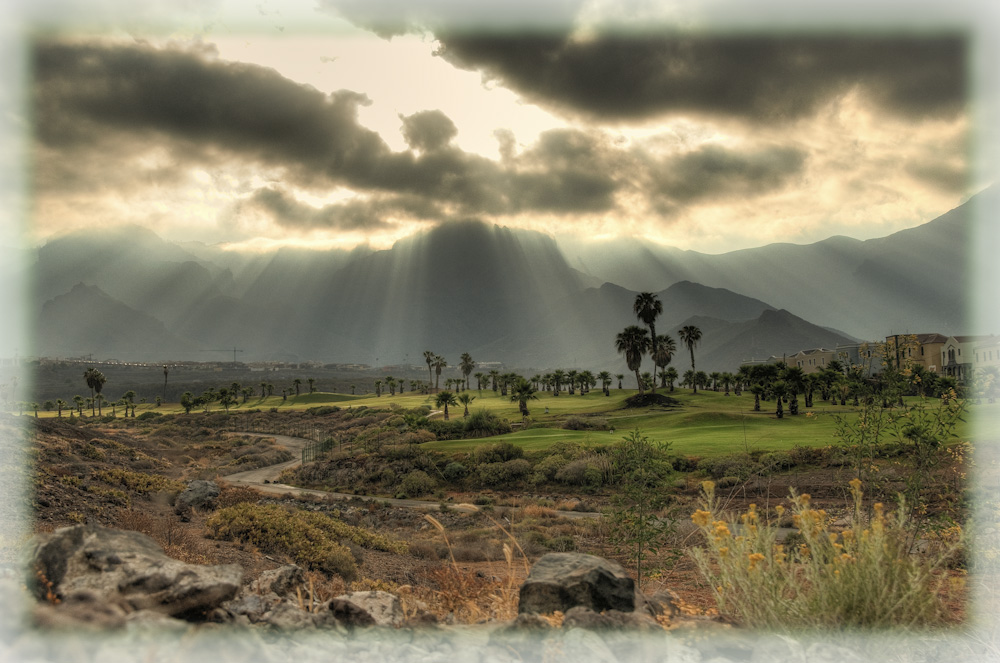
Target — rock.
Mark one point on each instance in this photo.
(96, 564)
(349, 614)
(287, 617)
(383, 607)
(663, 602)
(561, 581)
(281, 581)
(581, 617)
(199, 494)
(252, 606)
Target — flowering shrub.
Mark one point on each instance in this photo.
(862, 577)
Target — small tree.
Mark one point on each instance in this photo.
(639, 467)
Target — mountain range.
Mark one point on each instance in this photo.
(505, 295)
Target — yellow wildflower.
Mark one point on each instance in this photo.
(701, 518)
(754, 559)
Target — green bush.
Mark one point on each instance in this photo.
(500, 474)
(417, 483)
(483, 423)
(498, 452)
(446, 430)
(550, 465)
(146, 416)
(585, 423)
(322, 409)
(729, 465)
(455, 472)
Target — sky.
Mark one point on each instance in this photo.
(333, 123)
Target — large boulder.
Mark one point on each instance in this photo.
(199, 494)
(561, 581)
(127, 569)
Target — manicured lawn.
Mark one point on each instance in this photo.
(704, 424)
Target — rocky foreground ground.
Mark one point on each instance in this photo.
(100, 594)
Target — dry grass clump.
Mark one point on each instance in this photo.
(138, 482)
(230, 495)
(311, 539)
(177, 541)
(863, 577)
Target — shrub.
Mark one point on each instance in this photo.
(311, 538)
(455, 472)
(146, 416)
(498, 474)
(483, 423)
(446, 430)
(320, 410)
(729, 465)
(550, 465)
(498, 452)
(863, 578)
(417, 483)
(776, 461)
(585, 423)
(138, 482)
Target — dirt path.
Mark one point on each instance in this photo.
(263, 479)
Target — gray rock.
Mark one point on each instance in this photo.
(561, 581)
(349, 614)
(89, 563)
(282, 581)
(383, 607)
(582, 617)
(287, 616)
(199, 494)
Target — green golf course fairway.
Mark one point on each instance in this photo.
(704, 424)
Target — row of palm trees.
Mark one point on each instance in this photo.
(634, 342)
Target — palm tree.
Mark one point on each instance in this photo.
(466, 398)
(663, 352)
(166, 372)
(439, 363)
(647, 307)
(479, 380)
(619, 377)
(794, 378)
(312, 384)
(429, 358)
(444, 399)
(670, 375)
(778, 388)
(690, 335)
(586, 378)
(605, 379)
(633, 342)
(297, 382)
(378, 388)
(521, 391)
(714, 377)
(99, 399)
(494, 375)
(571, 379)
(727, 380)
(95, 380)
(467, 366)
(78, 400)
(557, 377)
(60, 403)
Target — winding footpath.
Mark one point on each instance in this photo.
(264, 480)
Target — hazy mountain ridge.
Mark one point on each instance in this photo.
(502, 294)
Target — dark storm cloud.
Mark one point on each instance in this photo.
(364, 215)
(758, 78)
(389, 18)
(428, 130)
(716, 172)
(84, 92)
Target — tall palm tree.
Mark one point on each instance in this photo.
(465, 398)
(444, 399)
(795, 379)
(297, 382)
(663, 352)
(166, 372)
(479, 381)
(619, 377)
(429, 358)
(78, 400)
(571, 380)
(558, 376)
(647, 307)
(95, 380)
(467, 366)
(690, 335)
(439, 363)
(521, 391)
(633, 342)
(60, 403)
(312, 384)
(494, 375)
